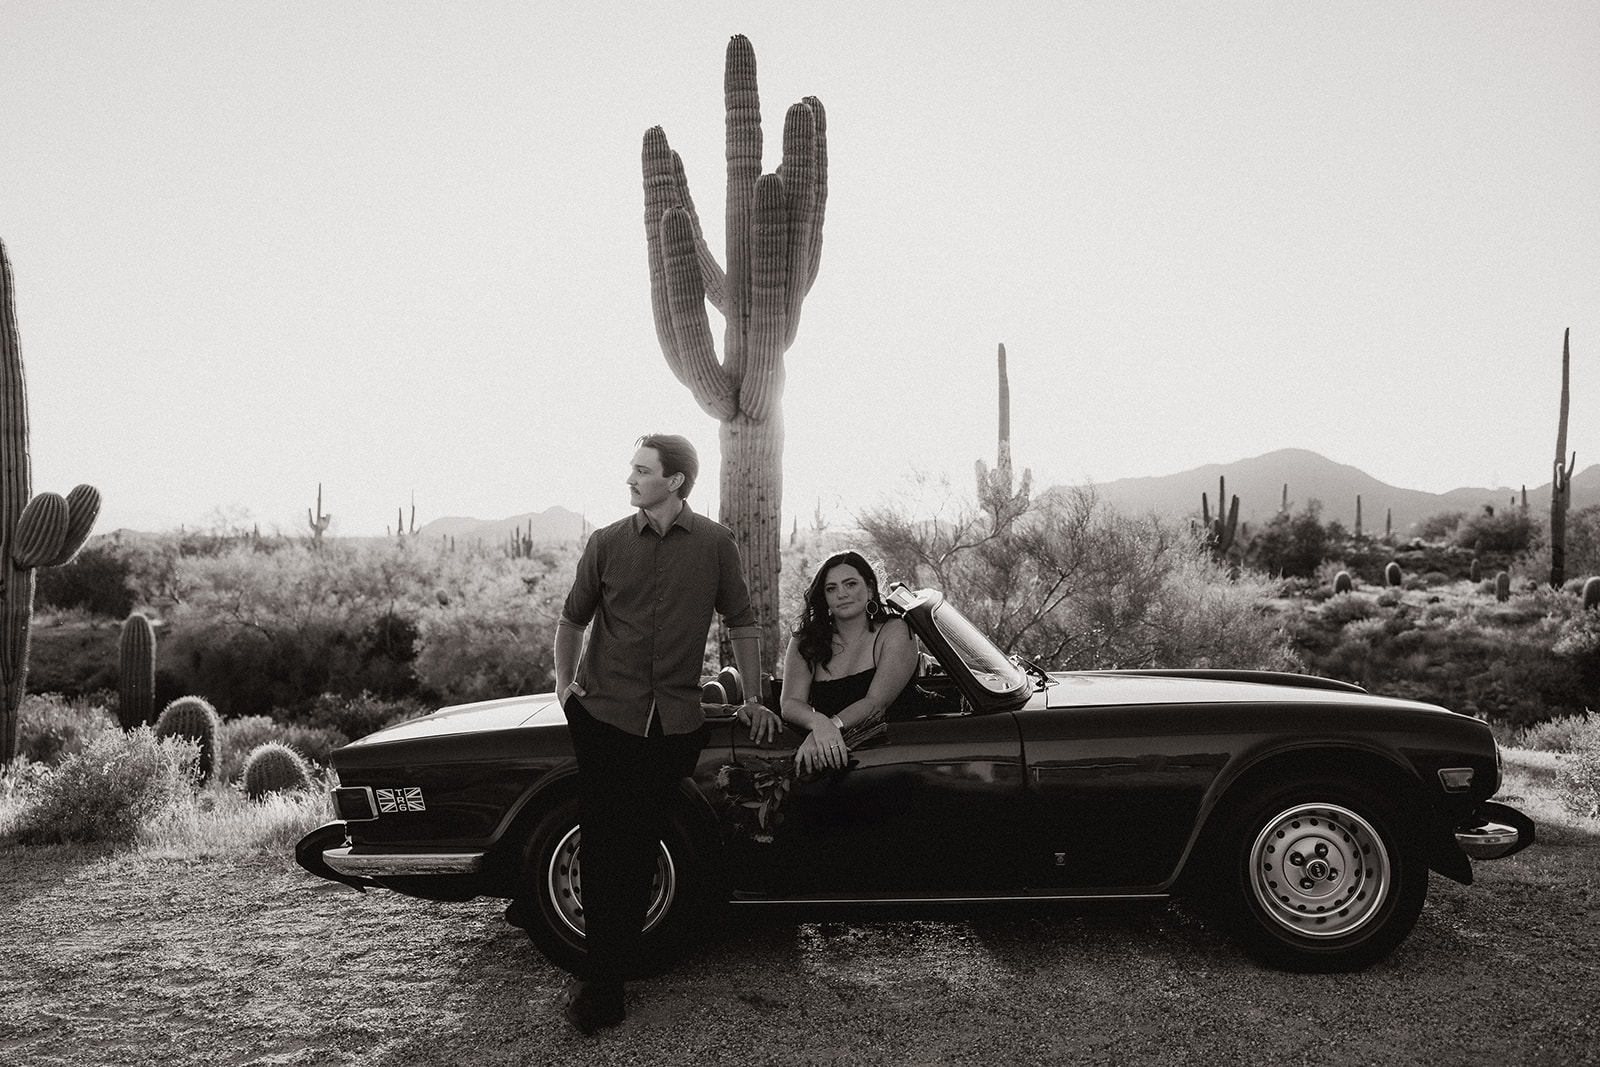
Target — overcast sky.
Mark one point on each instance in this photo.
(398, 248)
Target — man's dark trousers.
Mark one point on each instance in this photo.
(626, 786)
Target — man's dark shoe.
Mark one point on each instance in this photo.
(592, 1006)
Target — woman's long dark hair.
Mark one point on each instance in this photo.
(814, 630)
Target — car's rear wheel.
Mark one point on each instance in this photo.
(1321, 875)
(549, 905)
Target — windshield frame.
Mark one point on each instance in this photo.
(988, 678)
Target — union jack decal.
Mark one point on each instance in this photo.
(399, 799)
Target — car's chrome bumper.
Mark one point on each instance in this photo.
(346, 860)
(325, 853)
(1493, 831)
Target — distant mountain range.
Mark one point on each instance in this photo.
(1259, 484)
(554, 525)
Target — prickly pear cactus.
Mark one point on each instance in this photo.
(193, 717)
(136, 674)
(273, 767)
(42, 531)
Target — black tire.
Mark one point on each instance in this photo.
(549, 906)
(1320, 876)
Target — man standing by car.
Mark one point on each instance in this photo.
(648, 584)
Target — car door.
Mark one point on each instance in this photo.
(1114, 793)
(932, 806)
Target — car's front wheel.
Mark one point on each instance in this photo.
(1321, 875)
(549, 905)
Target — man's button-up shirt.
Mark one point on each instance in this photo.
(650, 597)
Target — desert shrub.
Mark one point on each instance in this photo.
(1351, 607)
(275, 629)
(1364, 629)
(493, 634)
(236, 738)
(1578, 780)
(1514, 664)
(357, 716)
(109, 790)
(51, 727)
(18, 779)
(1567, 733)
(98, 580)
(1508, 531)
(1292, 546)
(1441, 527)
(1071, 583)
(273, 768)
(261, 630)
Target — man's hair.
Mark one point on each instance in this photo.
(677, 457)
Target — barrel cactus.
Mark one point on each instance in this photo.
(1342, 582)
(1502, 586)
(1475, 571)
(136, 680)
(1391, 574)
(274, 767)
(193, 717)
(1591, 594)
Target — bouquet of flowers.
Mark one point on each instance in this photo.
(756, 785)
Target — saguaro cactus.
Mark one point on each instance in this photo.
(1561, 483)
(1220, 532)
(774, 247)
(1003, 503)
(318, 522)
(35, 531)
(136, 672)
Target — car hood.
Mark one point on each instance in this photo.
(537, 709)
(1089, 689)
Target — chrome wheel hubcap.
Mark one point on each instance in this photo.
(1320, 870)
(564, 884)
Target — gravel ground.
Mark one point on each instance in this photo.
(120, 959)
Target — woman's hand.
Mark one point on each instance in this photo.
(823, 750)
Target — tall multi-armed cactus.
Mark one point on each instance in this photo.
(774, 246)
(35, 531)
(1220, 531)
(318, 522)
(1561, 483)
(995, 493)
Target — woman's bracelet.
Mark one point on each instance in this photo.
(838, 722)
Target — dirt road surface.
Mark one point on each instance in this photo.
(118, 959)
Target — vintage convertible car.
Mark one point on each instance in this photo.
(1306, 812)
